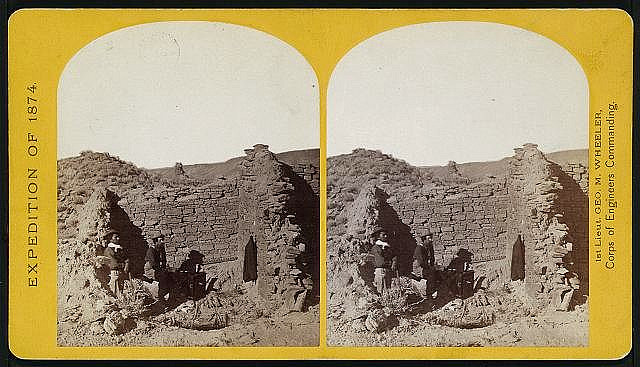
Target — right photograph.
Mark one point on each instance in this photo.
(457, 190)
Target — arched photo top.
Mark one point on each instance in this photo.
(188, 91)
(464, 91)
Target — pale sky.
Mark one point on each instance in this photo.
(193, 92)
(462, 91)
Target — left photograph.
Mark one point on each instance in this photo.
(188, 190)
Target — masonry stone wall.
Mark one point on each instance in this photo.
(475, 217)
(310, 172)
(573, 203)
(276, 204)
(202, 218)
(552, 208)
(544, 203)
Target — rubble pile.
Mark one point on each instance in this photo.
(216, 217)
(82, 292)
(529, 199)
(83, 295)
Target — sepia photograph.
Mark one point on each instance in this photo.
(188, 182)
(457, 190)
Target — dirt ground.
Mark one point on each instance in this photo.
(291, 329)
(488, 318)
(550, 329)
(90, 315)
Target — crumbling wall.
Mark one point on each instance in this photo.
(275, 203)
(310, 172)
(537, 199)
(573, 205)
(543, 196)
(202, 218)
(270, 202)
(475, 217)
(80, 287)
(579, 173)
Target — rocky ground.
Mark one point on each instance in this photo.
(279, 329)
(497, 314)
(89, 315)
(494, 318)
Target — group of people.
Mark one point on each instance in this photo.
(156, 271)
(457, 278)
(424, 267)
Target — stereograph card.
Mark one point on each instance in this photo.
(320, 184)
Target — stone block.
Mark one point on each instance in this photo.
(459, 217)
(473, 225)
(172, 211)
(172, 220)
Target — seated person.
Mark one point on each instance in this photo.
(459, 265)
(462, 261)
(193, 263)
(194, 284)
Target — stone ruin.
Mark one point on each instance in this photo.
(275, 203)
(544, 203)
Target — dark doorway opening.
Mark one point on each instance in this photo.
(250, 267)
(517, 260)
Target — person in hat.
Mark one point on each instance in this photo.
(117, 261)
(460, 264)
(155, 265)
(424, 261)
(193, 263)
(192, 276)
(423, 256)
(384, 259)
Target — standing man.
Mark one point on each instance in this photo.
(424, 261)
(385, 261)
(155, 265)
(423, 256)
(118, 263)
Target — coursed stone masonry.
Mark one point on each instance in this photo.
(537, 199)
(275, 203)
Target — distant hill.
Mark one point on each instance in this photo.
(565, 156)
(231, 167)
(479, 170)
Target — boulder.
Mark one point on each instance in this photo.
(114, 323)
(379, 320)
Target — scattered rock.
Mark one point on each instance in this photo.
(380, 320)
(114, 323)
